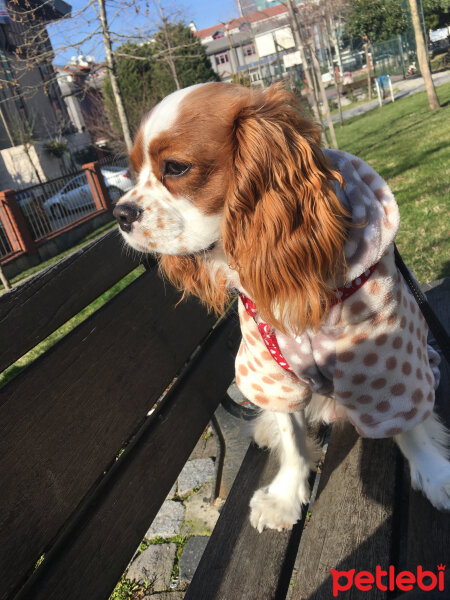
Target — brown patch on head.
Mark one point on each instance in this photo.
(200, 137)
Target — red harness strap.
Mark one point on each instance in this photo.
(268, 334)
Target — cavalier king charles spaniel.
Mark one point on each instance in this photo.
(235, 196)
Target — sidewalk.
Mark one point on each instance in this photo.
(403, 88)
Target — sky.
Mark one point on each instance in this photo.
(74, 36)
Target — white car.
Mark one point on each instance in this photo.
(76, 194)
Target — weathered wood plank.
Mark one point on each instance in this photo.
(34, 309)
(429, 529)
(92, 554)
(239, 562)
(352, 518)
(65, 418)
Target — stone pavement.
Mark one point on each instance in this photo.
(402, 89)
(174, 543)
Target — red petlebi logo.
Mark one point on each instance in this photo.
(388, 580)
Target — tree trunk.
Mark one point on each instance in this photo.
(325, 104)
(335, 41)
(423, 58)
(113, 75)
(301, 48)
(369, 71)
(335, 81)
(170, 58)
(4, 279)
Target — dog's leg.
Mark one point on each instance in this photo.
(426, 446)
(278, 505)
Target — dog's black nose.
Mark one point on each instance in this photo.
(126, 214)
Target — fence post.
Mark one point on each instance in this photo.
(98, 187)
(21, 238)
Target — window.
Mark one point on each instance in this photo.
(249, 50)
(254, 76)
(222, 58)
(217, 35)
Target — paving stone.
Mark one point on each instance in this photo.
(191, 556)
(173, 491)
(154, 566)
(200, 516)
(195, 473)
(205, 448)
(168, 520)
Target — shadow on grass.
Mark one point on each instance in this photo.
(445, 270)
(414, 160)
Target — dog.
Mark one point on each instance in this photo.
(235, 196)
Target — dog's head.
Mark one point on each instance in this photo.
(220, 165)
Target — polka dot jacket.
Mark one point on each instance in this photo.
(371, 353)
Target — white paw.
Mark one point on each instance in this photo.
(271, 511)
(435, 484)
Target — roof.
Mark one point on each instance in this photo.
(254, 17)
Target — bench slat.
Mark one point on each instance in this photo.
(352, 518)
(33, 310)
(238, 561)
(429, 529)
(90, 559)
(65, 418)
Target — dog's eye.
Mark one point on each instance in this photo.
(175, 169)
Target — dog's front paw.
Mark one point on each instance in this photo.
(271, 511)
(435, 484)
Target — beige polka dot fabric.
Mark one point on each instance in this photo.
(260, 378)
(382, 371)
(371, 353)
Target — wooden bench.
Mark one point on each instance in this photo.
(85, 468)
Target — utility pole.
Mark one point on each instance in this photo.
(110, 61)
(422, 57)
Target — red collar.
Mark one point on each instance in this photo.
(267, 333)
(342, 293)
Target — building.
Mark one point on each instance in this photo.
(32, 109)
(248, 6)
(81, 83)
(259, 45)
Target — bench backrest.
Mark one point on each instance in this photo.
(83, 467)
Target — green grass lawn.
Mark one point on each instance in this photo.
(409, 146)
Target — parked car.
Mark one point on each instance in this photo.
(76, 194)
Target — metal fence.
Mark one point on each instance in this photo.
(52, 205)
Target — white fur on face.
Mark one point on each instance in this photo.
(168, 224)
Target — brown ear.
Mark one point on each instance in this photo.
(283, 228)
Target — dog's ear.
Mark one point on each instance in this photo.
(283, 227)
